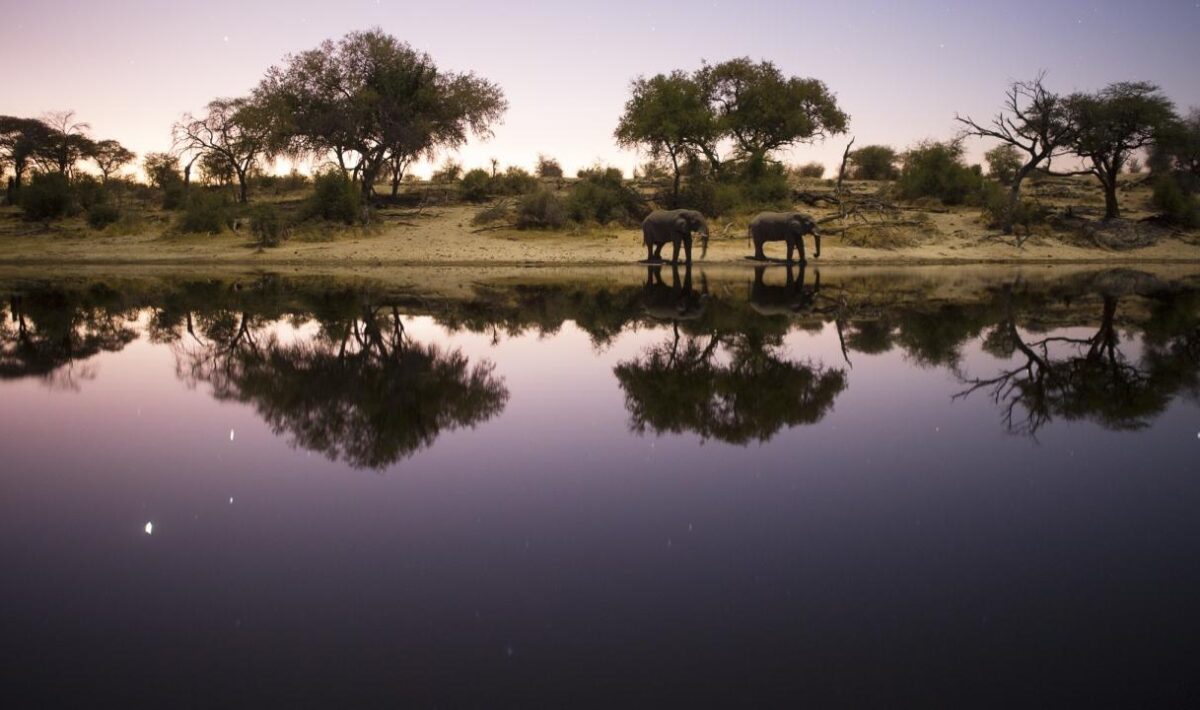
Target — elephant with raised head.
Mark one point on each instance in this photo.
(787, 227)
(674, 226)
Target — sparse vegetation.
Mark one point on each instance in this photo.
(811, 170)
(540, 210)
(548, 168)
(268, 225)
(206, 212)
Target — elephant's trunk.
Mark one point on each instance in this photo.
(816, 244)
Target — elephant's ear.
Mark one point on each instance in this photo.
(681, 224)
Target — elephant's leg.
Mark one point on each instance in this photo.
(791, 246)
(658, 251)
(675, 250)
(687, 249)
(758, 250)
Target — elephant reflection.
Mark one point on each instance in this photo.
(678, 302)
(360, 391)
(788, 299)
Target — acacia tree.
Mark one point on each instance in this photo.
(370, 97)
(670, 117)
(1033, 121)
(110, 156)
(1111, 125)
(1178, 146)
(762, 111)
(21, 141)
(234, 131)
(66, 143)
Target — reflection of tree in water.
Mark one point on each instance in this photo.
(682, 385)
(48, 334)
(1092, 377)
(360, 390)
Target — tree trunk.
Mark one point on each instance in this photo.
(1111, 209)
(675, 185)
(241, 176)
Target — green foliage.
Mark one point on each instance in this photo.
(653, 171)
(335, 198)
(206, 212)
(1000, 211)
(764, 183)
(102, 214)
(476, 185)
(448, 172)
(874, 162)
(548, 167)
(47, 196)
(711, 198)
(811, 170)
(514, 181)
(162, 169)
(541, 210)
(600, 195)
(1175, 196)
(1003, 163)
(268, 225)
(934, 169)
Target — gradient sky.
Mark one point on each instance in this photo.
(900, 69)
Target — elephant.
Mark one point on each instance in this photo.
(677, 302)
(792, 298)
(787, 227)
(674, 226)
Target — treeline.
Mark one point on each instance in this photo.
(367, 107)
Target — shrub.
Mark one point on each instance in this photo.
(268, 225)
(206, 212)
(765, 184)
(47, 196)
(1174, 195)
(874, 162)
(102, 214)
(935, 169)
(548, 167)
(999, 210)
(712, 198)
(476, 185)
(653, 171)
(514, 181)
(449, 172)
(541, 210)
(601, 196)
(811, 170)
(335, 198)
(1003, 163)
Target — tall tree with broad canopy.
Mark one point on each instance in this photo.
(670, 117)
(1111, 125)
(1032, 120)
(370, 97)
(233, 131)
(1178, 146)
(21, 141)
(762, 111)
(110, 156)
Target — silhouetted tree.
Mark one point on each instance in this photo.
(368, 97)
(1035, 121)
(234, 130)
(110, 156)
(21, 140)
(65, 145)
(1109, 126)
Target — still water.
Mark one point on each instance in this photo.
(651, 488)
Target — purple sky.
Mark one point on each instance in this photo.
(900, 70)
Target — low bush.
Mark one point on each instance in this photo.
(601, 195)
(476, 185)
(541, 210)
(448, 172)
(267, 225)
(999, 210)
(937, 170)
(811, 170)
(1003, 163)
(335, 198)
(1175, 196)
(514, 181)
(874, 162)
(712, 198)
(206, 212)
(47, 196)
(548, 167)
(102, 214)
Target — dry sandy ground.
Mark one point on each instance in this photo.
(445, 236)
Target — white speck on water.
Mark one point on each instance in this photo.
(231, 434)
(150, 528)
(231, 500)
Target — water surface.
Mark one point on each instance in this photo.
(649, 489)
